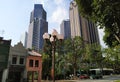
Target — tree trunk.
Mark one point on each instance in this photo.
(74, 76)
(117, 38)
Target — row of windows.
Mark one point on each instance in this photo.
(31, 63)
(21, 60)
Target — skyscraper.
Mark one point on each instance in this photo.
(23, 39)
(65, 29)
(81, 26)
(38, 26)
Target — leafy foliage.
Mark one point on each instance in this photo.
(93, 55)
(112, 58)
(46, 60)
(73, 50)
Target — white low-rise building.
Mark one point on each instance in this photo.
(17, 61)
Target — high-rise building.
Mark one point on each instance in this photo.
(65, 29)
(23, 39)
(38, 26)
(81, 26)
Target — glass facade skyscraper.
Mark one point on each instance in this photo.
(81, 26)
(37, 27)
(65, 29)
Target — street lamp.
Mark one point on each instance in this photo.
(52, 39)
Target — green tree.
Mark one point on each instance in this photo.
(46, 66)
(73, 51)
(93, 55)
(112, 57)
(108, 61)
(46, 59)
(106, 14)
(62, 66)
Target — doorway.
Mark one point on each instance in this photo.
(14, 76)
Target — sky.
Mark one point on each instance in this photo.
(15, 16)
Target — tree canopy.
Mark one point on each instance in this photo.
(112, 58)
(74, 52)
(106, 14)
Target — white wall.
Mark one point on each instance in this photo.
(4, 76)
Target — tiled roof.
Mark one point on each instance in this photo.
(33, 53)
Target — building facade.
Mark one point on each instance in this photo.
(17, 62)
(65, 29)
(4, 55)
(81, 26)
(34, 65)
(37, 27)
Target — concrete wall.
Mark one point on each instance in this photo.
(5, 75)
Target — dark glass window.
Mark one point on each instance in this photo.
(21, 60)
(36, 63)
(14, 60)
(31, 63)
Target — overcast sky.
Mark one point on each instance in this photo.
(15, 16)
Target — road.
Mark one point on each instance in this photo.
(110, 78)
(95, 81)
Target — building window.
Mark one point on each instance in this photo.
(14, 60)
(31, 63)
(21, 60)
(36, 63)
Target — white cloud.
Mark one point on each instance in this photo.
(59, 13)
(57, 16)
(58, 2)
(37, 1)
(41, 1)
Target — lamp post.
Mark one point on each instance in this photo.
(52, 39)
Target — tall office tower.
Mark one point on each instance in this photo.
(65, 29)
(23, 39)
(38, 26)
(81, 26)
